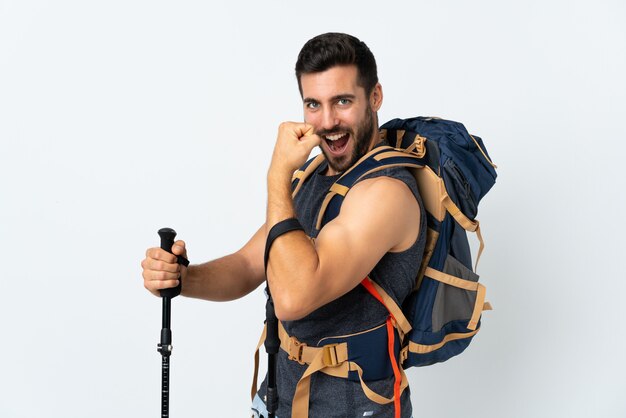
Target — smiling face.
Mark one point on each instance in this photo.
(342, 115)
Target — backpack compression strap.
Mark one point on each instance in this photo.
(398, 375)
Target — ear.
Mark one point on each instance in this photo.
(376, 97)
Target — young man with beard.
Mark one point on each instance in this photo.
(315, 283)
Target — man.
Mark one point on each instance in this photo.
(315, 283)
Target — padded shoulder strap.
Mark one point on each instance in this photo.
(304, 172)
(377, 159)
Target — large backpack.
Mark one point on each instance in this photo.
(442, 314)
(453, 173)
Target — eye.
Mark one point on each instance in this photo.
(343, 102)
(312, 105)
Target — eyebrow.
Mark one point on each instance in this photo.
(332, 99)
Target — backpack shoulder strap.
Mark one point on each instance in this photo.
(300, 175)
(377, 159)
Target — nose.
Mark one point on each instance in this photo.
(329, 118)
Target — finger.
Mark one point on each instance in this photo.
(314, 138)
(160, 254)
(306, 130)
(159, 265)
(155, 286)
(160, 275)
(311, 140)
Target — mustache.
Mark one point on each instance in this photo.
(333, 131)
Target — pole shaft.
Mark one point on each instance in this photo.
(165, 387)
(167, 312)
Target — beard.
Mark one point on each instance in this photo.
(362, 140)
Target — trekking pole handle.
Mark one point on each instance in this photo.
(167, 241)
(167, 238)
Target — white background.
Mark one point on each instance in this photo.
(121, 117)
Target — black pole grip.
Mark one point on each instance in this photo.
(167, 241)
(272, 345)
(272, 340)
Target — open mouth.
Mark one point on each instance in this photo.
(337, 143)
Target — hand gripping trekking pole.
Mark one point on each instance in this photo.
(165, 346)
(272, 340)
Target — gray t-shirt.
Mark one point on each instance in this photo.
(355, 311)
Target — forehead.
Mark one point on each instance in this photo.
(330, 83)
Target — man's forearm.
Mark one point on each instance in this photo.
(279, 201)
(224, 279)
(293, 259)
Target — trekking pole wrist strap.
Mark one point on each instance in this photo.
(282, 227)
(182, 260)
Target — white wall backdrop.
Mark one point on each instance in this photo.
(121, 117)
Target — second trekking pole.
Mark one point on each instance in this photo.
(272, 344)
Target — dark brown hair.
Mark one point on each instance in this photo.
(332, 49)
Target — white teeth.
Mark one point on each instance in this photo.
(334, 137)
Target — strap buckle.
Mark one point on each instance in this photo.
(419, 146)
(404, 354)
(296, 348)
(329, 356)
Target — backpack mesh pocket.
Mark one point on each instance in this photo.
(453, 303)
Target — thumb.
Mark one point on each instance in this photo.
(307, 130)
(308, 134)
(179, 248)
(312, 140)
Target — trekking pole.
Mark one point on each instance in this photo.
(165, 346)
(272, 344)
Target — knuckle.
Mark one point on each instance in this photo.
(153, 252)
(159, 253)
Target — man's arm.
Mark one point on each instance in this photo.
(229, 277)
(226, 278)
(377, 216)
